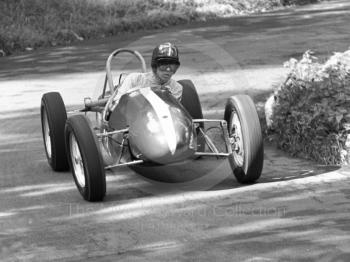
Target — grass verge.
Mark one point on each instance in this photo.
(29, 24)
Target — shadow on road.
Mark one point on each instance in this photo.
(299, 209)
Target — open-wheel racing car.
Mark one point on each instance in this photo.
(145, 129)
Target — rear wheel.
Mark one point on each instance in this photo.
(53, 118)
(190, 101)
(85, 159)
(245, 138)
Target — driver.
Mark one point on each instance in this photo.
(165, 62)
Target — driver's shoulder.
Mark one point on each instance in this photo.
(135, 78)
(135, 75)
(175, 84)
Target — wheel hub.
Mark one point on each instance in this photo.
(77, 161)
(47, 136)
(236, 138)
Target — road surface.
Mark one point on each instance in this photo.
(298, 211)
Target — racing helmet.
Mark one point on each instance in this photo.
(166, 53)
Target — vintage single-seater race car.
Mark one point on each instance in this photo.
(146, 129)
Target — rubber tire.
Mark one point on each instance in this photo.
(252, 138)
(94, 172)
(56, 114)
(190, 101)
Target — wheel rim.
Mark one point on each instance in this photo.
(47, 137)
(77, 161)
(236, 139)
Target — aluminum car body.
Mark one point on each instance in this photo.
(160, 129)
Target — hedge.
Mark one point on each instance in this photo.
(311, 109)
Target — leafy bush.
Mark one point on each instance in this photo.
(311, 113)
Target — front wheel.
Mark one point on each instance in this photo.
(85, 159)
(245, 138)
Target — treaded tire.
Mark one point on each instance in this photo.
(190, 101)
(53, 118)
(240, 110)
(85, 159)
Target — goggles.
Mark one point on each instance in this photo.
(168, 67)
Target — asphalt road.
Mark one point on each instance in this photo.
(298, 210)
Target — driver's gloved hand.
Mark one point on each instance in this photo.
(156, 88)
